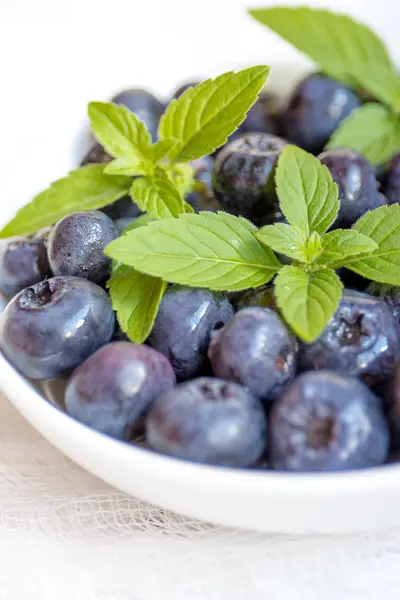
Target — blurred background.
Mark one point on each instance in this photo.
(57, 55)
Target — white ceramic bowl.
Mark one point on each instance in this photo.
(42, 138)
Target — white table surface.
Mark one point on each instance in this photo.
(63, 533)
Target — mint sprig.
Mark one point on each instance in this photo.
(350, 52)
(195, 124)
(223, 252)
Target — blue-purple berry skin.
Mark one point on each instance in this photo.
(53, 326)
(357, 185)
(390, 294)
(23, 263)
(208, 420)
(392, 405)
(96, 155)
(114, 388)
(257, 350)
(317, 107)
(76, 245)
(262, 117)
(146, 106)
(243, 177)
(327, 422)
(392, 181)
(202, 197)
(182, 88)
(361, 339)
(183, 327)
(121, 209)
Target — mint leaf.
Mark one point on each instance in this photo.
(313, 247)
(135, 298)
(382, 225)
(134, 165)
(339, 44)
(161, 149)
(308, 196)
(140, 221)
(211, 250)
(122, 134)
(341, 243)
(307, 300)
(128, 165)
(157, 195)
(383, 84)
(371, 130)
(202, 118)
(282, 238)
(181, 176)
(86, 188)
(117, 268)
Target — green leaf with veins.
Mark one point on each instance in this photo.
(135, 298)
(307, 299)
(284, 239)
(203, 117)
(211, 250)
(382, 226)
(341, 45)
(157, 195)
(307, 194)
(371, 130)
(121, 133)
(342, 243)
(86, 188)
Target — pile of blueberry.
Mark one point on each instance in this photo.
(221, 379)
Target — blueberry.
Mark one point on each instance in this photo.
(356, 183)
(146, 106)
(262, 116)
(352, 280)
(255, 349)
(122, 223)
(389, 294)
(382, 199)
(23, 263)
(210, 421)
(244, 176)
(183, 327)
(114, 388)
(317, 107)
(392, 401)
(182, 88)
(203, 197)
(53, 326)
(392, 181)
(122, 209)
(327, 422)
(96, 155)
(76, 245)
(360, 339)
